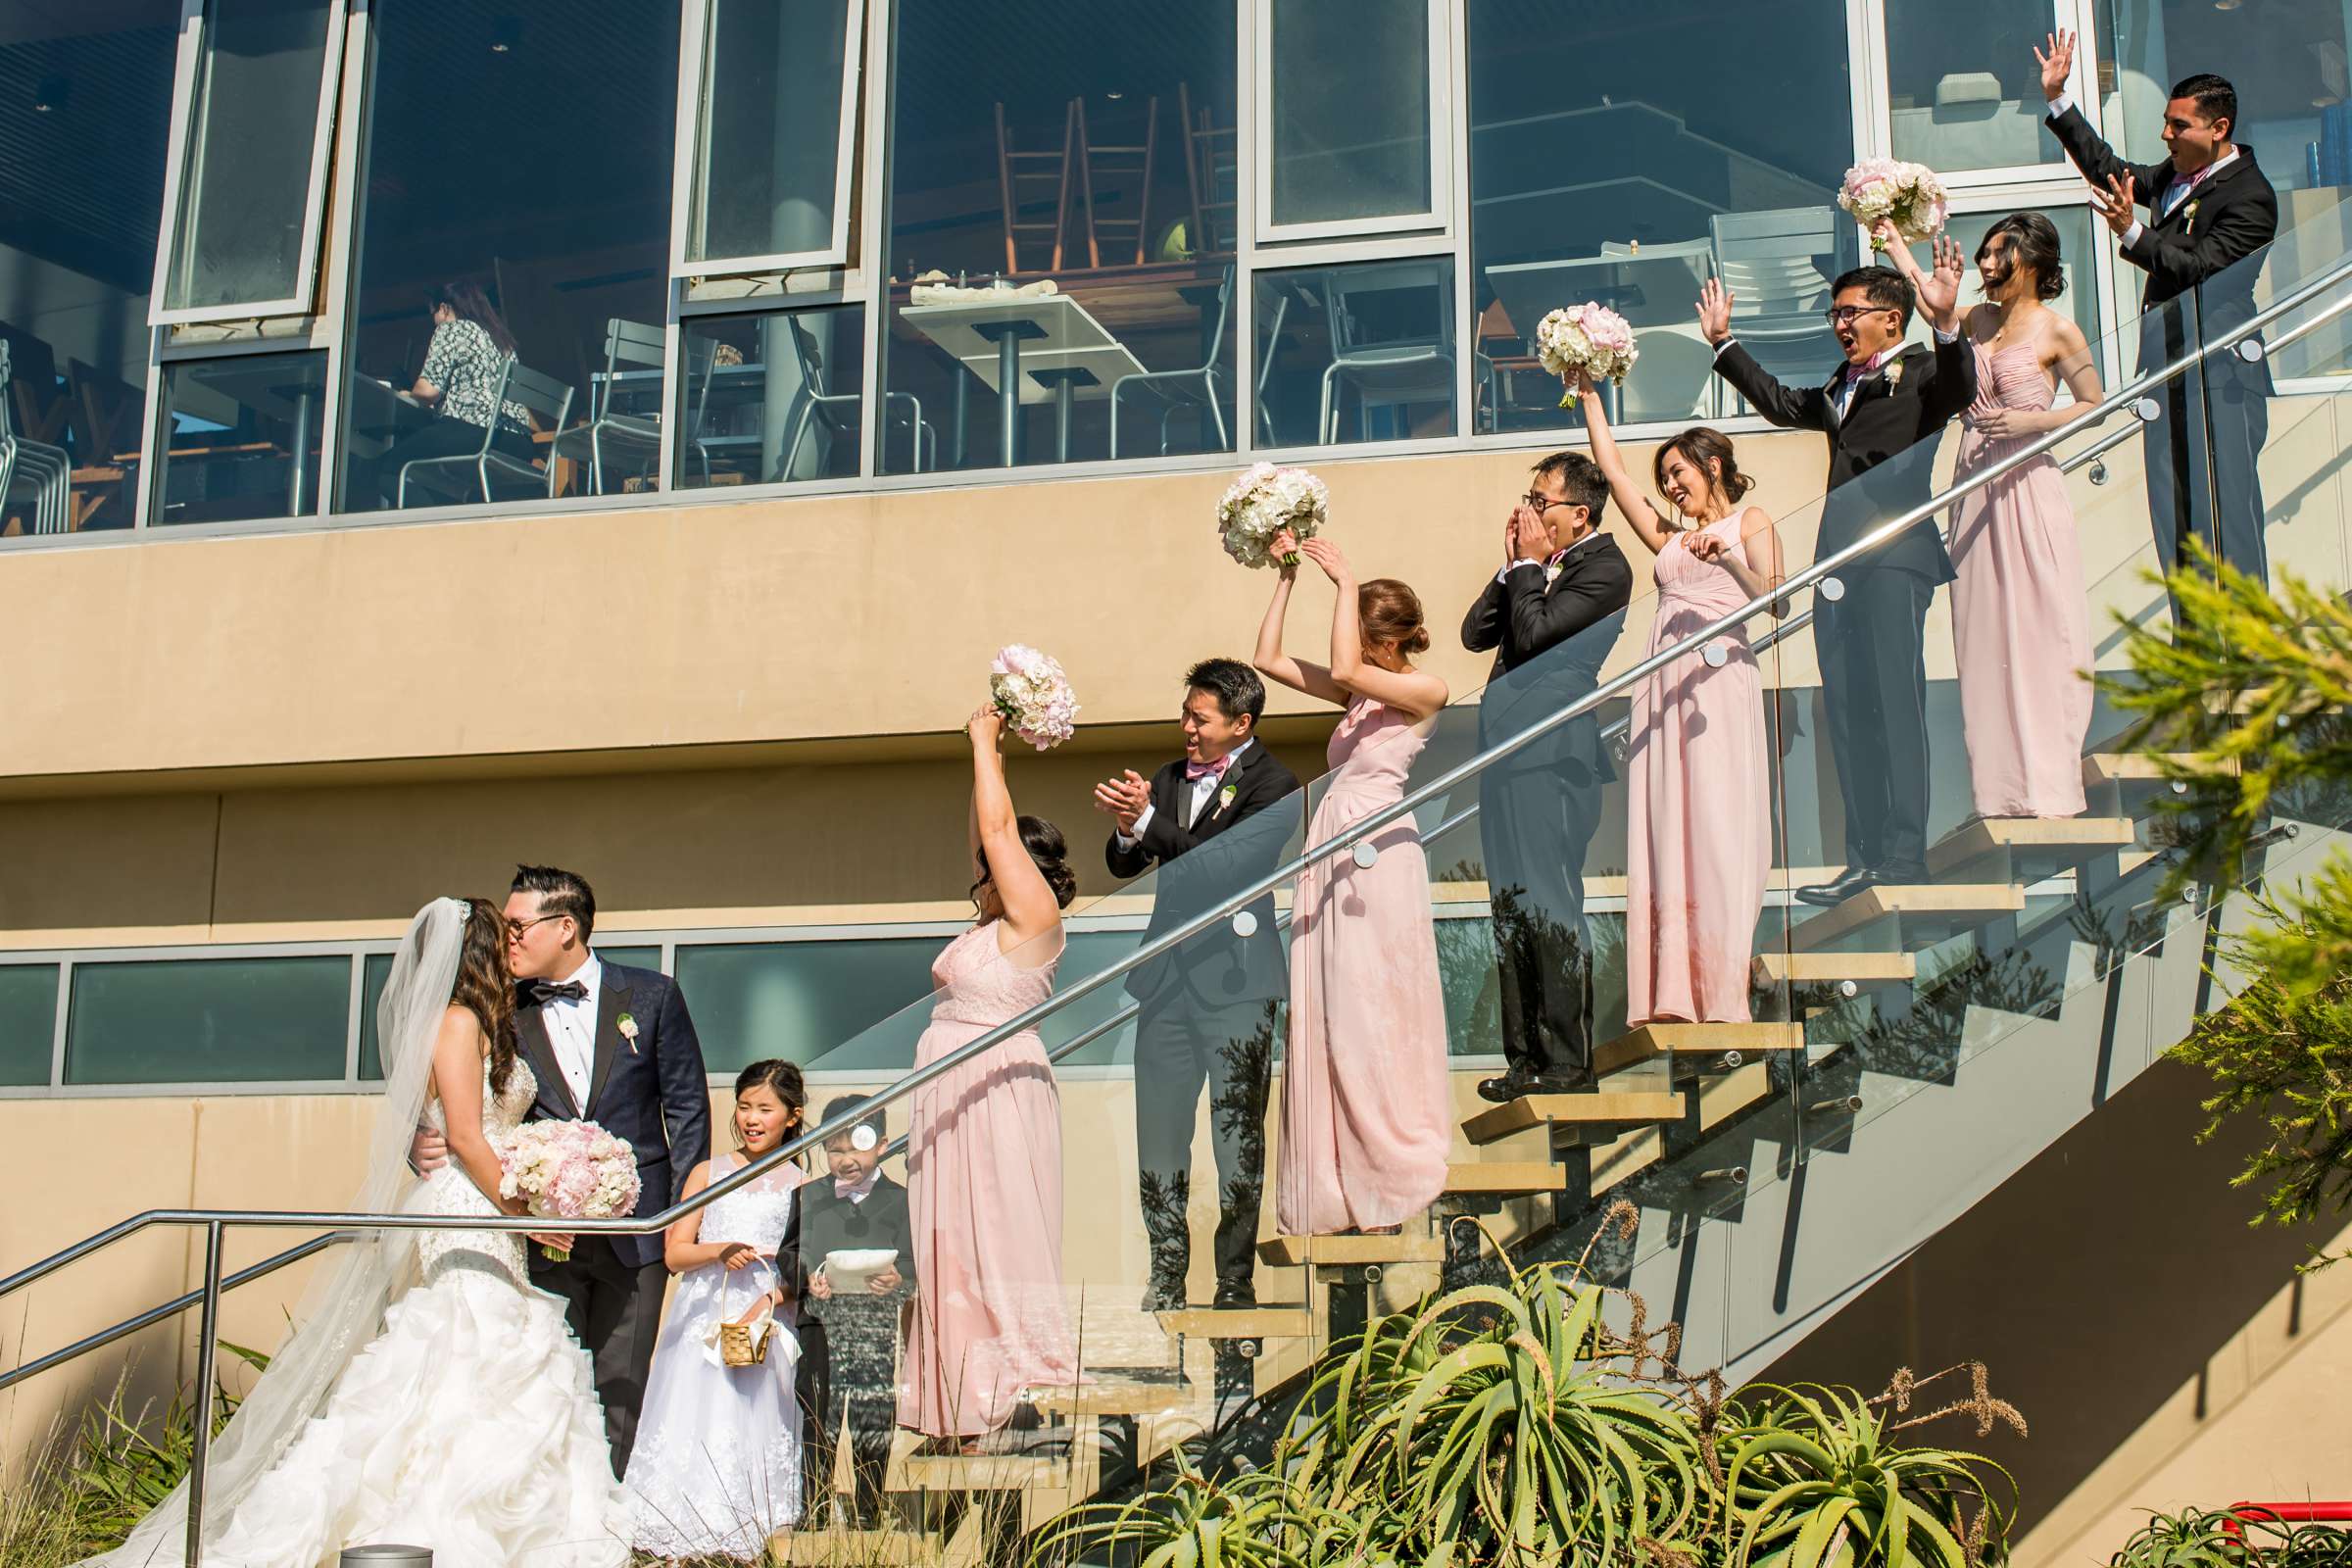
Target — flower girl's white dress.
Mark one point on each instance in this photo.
(469, 1425)
(716, 1469)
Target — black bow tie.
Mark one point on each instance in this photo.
(539, 993)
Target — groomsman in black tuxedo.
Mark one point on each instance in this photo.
(1551, 616)
(1881, 410)
(2209, 209)
(1213, 821)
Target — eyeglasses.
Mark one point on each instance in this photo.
(1842, 315)
(1541, 502)
(516, 928)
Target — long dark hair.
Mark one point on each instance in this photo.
(472, 304)
(1709, 450)
(780, 1078)
(485, 987)
(2033, 246)
(1051, 853)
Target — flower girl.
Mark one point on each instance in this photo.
(716, 1469)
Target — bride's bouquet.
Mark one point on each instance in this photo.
(1908, 195)
(1261, 504)
(1034, 696)
(570, 1170)
(1587, 337)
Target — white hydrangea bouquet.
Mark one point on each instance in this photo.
(1033, 693)
(1907, 195)
(1261, 504)
(1587, 337)
(567, 1170)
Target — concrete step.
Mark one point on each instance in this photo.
(1590, 1108)
(1910, 916)
(2029, 849)
(1694, 1044)
(1349, 1251)
(1507, 1178)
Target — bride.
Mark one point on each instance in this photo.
(427, 1394)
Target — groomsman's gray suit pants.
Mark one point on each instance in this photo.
(616, 1311)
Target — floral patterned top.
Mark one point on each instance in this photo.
(466, 366)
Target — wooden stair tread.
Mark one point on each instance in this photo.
(1506, 1176)
(1772, 969)
(1342, 1251)
(1644, 1147)
(1655, 1039)
(1241, 1322)
(851, 1549)
(1101, 1395)
(2137, 768)
(2048, 841)
(1949, 903)
(1603, 1107)
(985, 1472)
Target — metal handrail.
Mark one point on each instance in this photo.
(216, 1221)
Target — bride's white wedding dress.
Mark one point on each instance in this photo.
(469, 1424)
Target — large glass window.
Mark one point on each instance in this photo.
(86, 113)
(27, 1023)
(770, 179)
(803, 1000)
(1630, 177)
(2079, 256)
(515, 206)
(1964, 91)
(242, 437)
(1349, 114)
(776, 396)
(1363, 352)
(1078, 155)
(253, 155)
(376, 970)
(208, 1020)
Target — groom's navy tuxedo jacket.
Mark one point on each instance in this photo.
(653, 1090)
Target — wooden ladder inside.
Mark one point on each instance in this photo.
(1211, 174)
(1021, 178)
(1114, 164)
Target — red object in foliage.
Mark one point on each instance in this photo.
(2290, 1513)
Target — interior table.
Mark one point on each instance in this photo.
(1028, 349)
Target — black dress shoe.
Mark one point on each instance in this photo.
(1843, 888)
(1512, 1085)
(1237, 1293)
(1908, 873)
(1560, 1082)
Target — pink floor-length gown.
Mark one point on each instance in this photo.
(984, 1197)
(1366, 1102)
(2021, 632)
(1698, 816)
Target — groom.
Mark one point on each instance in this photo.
(614, 1046)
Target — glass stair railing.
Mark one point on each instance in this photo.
(1923, 1040)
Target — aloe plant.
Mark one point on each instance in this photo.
(2191, 1538)
(1813, 1478)
(1257, 1519)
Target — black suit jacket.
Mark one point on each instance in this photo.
(1549, 640)
(2230, 216)
(653, 1090)
(1873, 473)
(1235, 842)
(823, 1224)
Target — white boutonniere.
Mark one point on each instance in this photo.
(2188, 216)
(1894, 374)
(1551, 574)
(628, 1031)
(1225, 798)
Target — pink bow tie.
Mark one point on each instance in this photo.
(1194, 772)
(1555, 558)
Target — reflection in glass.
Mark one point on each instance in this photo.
(775, 395)
(86, 122)
(2078, 262)
(551, 193)
(1964, 89)
(767, 164)
(27, 1023)
(1101, 168)
(252, 128)
(208, 1021)
(1349, 82)
(242, 437)
(1358, 352)
(1631, 177)
(801, 1000)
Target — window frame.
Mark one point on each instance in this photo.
(1256, 40)
(186, 71)
(696, 19)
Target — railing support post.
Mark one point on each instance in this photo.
(208, 1339)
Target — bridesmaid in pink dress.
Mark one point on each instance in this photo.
(984, 1155)
(1698, 784)
(1366, 1102)
(2020, 629)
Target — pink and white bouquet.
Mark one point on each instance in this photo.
(1908, 195)
(1261, 504)
(1034, 696)
(570, 1170)
(1587, 337)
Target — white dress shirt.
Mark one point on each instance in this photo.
(572, 1030)
(1206, 785)
(2176, 191)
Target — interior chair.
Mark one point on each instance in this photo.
(544, 396)
(1194, 387)
(839, 409)
(1392, 339)
(1777, 266)
(610, 436)
(39, 470)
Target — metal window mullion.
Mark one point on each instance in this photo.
(1247, 68)
(351, 1018)
(183, 99)
(1450, 107)
(57, 1038)
(154, 439)
(1868, 101)
(674, 390)
(346, 136)
(694, 69)
(878, 91)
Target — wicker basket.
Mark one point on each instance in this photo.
(742, 1343)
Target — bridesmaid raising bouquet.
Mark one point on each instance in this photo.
(1367, 1105)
